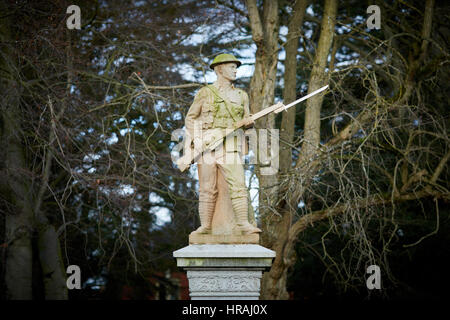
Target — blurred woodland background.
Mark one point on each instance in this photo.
(86, 175)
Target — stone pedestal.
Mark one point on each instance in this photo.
(224, 271)
(223, 239)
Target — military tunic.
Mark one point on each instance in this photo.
(215, 110)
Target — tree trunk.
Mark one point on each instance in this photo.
(277, 225)
(18, 224)
(51, 262)
(274, 282)
(14, 183)
(317, 79)
(24, 214)
(53, 272)
(290, 83)
(262, 87)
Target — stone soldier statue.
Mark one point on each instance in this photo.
(219, 106)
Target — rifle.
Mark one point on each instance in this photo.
(190, 157)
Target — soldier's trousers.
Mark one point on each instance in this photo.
(230, 165)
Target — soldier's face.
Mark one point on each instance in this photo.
(228, 71)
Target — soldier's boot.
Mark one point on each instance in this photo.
(206, 211)
(240, 208)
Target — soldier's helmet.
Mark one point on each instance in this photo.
(224, 58)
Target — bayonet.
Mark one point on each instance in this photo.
(185, 161)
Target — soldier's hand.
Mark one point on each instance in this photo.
(249, 122)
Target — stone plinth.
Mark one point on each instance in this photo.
(223, 238)
(224, 271)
